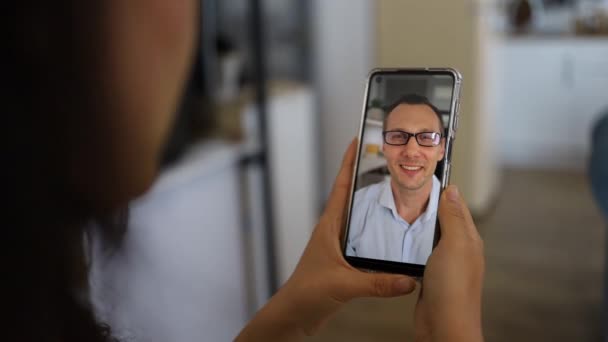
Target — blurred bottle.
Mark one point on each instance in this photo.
(372, 149)
(520, 15)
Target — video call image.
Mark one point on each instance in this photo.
(394, 210)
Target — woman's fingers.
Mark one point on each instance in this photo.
(363, 284)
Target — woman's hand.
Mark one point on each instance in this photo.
(449, 307)
(322, 280)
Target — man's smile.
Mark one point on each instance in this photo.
(410, 169)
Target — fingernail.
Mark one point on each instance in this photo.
(452, 193)
(403, 285)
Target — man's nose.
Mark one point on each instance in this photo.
(411, 148)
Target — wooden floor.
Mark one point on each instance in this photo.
(544, 244)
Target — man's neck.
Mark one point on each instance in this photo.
(410, 204)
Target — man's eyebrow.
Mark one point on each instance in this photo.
(427, 130)
(423, 130)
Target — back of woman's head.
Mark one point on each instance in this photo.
(48, 96)
(83, 129)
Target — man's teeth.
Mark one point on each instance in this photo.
(411, 168)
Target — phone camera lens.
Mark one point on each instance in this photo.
(378, 79)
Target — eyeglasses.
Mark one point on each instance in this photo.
(427, 139)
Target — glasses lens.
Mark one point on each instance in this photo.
(395, 138)
(428, 139)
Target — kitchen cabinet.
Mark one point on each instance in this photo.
(550, 92)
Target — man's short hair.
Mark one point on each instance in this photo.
(413, 99)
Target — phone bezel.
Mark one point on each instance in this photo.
(392, 266)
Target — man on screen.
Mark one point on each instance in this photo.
(395, 219)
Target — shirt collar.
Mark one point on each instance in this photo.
(386, 199)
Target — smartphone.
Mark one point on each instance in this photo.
(408, 126)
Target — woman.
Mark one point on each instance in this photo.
(92, 86)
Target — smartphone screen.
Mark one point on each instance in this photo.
(402, 166)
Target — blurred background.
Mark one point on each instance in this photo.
(275, 98)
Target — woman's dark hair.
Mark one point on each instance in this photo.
(413, 99)
(50, 93)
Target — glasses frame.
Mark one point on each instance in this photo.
(408, 135)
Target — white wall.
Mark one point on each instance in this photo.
(179, 274)
(405, 38)
(292, 163)
(487, 169)
(343, 32)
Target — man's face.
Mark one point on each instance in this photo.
(411, 166)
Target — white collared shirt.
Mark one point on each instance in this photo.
(377, 231)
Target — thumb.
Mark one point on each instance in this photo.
(379, 285)
(454, 216)
(339, 195)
